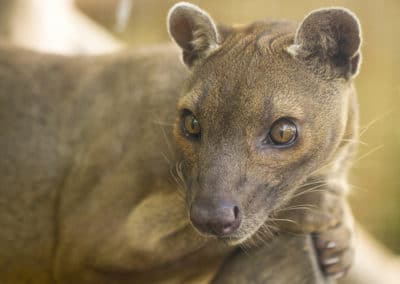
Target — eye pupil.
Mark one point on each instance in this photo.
(194, 124)
(190, 125)
(281, 132)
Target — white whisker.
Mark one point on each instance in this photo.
(369, 153)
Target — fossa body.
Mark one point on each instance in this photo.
(261, 139)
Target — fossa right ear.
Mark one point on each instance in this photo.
(329, 41)
(193, 30)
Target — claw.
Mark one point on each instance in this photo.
(331, 261)
(339, 275)
(334, 251)
(330, 245)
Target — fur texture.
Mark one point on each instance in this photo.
(87, 145)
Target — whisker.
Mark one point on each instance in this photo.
(179, 170)
(355, 141)
(300, 207)
(372, 122)
(322, 167)
(312, 189)
(166, 158)
(169, 146)
(312, 183)
(262, 234)
(163, 123)
(373, 150)
(180, 183)
(265, 231)
(283, 220)
(244, 248)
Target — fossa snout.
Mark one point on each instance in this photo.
(216, 215)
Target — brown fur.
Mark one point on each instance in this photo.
(87, 145)
(261, 68)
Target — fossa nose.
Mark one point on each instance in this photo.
(218, 217)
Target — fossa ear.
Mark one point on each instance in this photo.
(193, 30)
(329, 40)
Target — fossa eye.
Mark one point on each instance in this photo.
(190, 125)
(283, 132)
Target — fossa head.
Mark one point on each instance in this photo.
(265, 106)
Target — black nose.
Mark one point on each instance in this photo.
(219, 218)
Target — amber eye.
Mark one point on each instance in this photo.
(283, 132)
(190, 125)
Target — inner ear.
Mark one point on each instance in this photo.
(332, 38)
(193, 30)
(181, 30)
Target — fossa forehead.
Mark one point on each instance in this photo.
(252, 68)
(247, 55)
(265, 97)
(218, 102)
(264, 38)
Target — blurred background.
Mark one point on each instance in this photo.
(97, 26)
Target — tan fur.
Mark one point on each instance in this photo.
(87, 146)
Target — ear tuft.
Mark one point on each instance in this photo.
(193, 30)
(329, 39)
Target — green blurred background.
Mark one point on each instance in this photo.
(375, 177)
